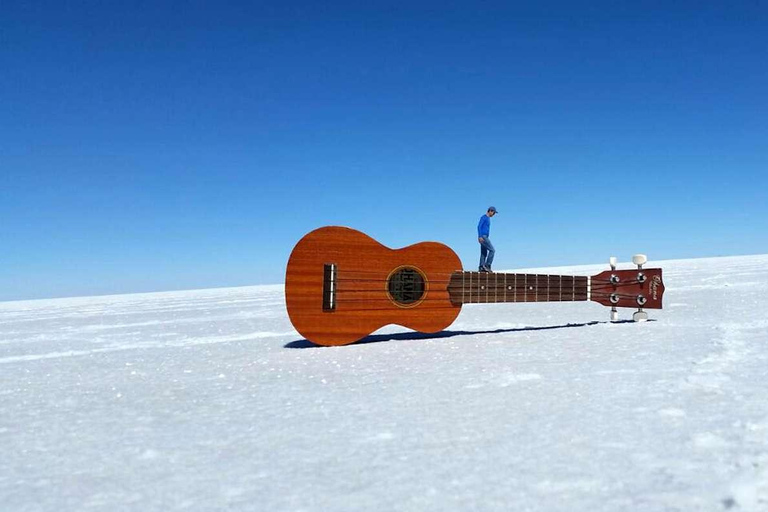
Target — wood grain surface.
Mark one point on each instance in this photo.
(363, 303)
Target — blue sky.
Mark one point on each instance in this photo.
(155, 146)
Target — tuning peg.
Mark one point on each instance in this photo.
(614, 315)
(640, 315)
(612, 262)
(639, 260)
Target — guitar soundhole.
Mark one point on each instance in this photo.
(406, 286)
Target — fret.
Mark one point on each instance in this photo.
(479, 277)
(548, 297)
(515, 288)
(528, 287)
(529, 280)
(525, 288)
(505, 287)
(463, 275)
(487, 276)
(496, 289)
(536, 292)
(489, 286)
(582, 295)
(573, 287)
(470, 287)
(540, 285)
(564, 287)
(478, 286)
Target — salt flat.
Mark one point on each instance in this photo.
(209, 400)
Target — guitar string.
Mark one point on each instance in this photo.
(532, 276)
(595, 290)
(349, 285)
(599, 289)
(581, 295)
(531, 280)
(456, 274)
(579, 298)
(376, 276)
(368, 286)
(479, 277)
(359, 275)
(353, 307)
(462, 271)
(480, 298)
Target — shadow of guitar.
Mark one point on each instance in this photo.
(412, 335)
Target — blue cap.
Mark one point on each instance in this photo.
(492, 209)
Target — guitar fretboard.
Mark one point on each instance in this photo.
(489, 287)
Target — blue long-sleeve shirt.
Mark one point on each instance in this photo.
(484, 226)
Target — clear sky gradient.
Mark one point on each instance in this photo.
(155, 146)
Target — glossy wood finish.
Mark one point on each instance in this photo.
(629, 288)
(363, 303)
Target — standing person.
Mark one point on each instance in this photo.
(483, 236)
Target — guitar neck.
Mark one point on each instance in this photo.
(492, 287)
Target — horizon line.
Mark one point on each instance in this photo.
(267, 285)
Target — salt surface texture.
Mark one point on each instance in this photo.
(209, 400)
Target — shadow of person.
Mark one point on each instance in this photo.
(413, 335)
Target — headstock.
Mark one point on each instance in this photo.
(640, 288)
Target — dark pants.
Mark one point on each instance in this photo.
(486, 252)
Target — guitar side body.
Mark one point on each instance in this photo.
(362, 302)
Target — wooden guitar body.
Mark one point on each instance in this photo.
(341, 285)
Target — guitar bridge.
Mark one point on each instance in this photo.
(329, 287)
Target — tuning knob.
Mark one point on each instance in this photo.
(640, 260)
(612, 262)
(614, 315)
(640, 315)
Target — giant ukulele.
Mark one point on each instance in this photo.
(341, 285)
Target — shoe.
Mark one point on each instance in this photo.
(481, 269)
(485, 268)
